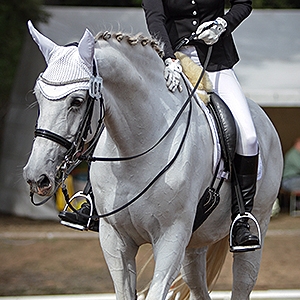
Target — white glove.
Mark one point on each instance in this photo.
(172, 74)
(210, 31)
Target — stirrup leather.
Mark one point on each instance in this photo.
(244, 248)
(78, 226)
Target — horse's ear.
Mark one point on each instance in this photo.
(86, 47)
(45, 44)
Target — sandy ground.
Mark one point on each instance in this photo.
(43, 257)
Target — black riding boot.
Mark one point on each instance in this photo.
(246, 169)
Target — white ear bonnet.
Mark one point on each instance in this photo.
(68, 68)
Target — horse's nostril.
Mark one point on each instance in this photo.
(43, 181)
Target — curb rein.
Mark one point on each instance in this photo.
(71, 159)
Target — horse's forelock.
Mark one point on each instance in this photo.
(132, 40)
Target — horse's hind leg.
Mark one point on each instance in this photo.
(245, 272)
(246, 267)
(194, 273)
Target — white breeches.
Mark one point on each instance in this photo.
(226, 85)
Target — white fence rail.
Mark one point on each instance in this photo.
(255, 295)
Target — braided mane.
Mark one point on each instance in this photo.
(132, 40)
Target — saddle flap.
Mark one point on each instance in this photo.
(226, 126)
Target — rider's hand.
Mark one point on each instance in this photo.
(172, 74)
(210, 31)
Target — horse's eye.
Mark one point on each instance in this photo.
(76, 102)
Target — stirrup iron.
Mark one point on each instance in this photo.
(244, 248)
(78, 226)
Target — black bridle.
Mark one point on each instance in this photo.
(44, 133)
(75, 149)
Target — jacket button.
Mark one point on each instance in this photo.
(194, 22)
(194, 13)
(193, 2)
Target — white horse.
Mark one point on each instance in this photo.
(139, 109)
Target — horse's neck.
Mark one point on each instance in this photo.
(136, 99)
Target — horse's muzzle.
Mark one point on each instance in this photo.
(42, 187)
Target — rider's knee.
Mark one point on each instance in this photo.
(251, 144)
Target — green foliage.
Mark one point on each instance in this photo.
(13, 18)
(282, 4)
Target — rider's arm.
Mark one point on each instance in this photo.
(156, 20)
(239, 11)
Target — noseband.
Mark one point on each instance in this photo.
(53, 137)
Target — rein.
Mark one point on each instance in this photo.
(170, 163)
(188, 101)
(93, 159)
(162, 171)
(69, 164)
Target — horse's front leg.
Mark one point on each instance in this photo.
(168, 253)
(119, 253)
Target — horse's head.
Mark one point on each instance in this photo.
(131, 70)
(62, 95)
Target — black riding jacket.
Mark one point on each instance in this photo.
(172, 20)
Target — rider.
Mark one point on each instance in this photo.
(171, 22)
